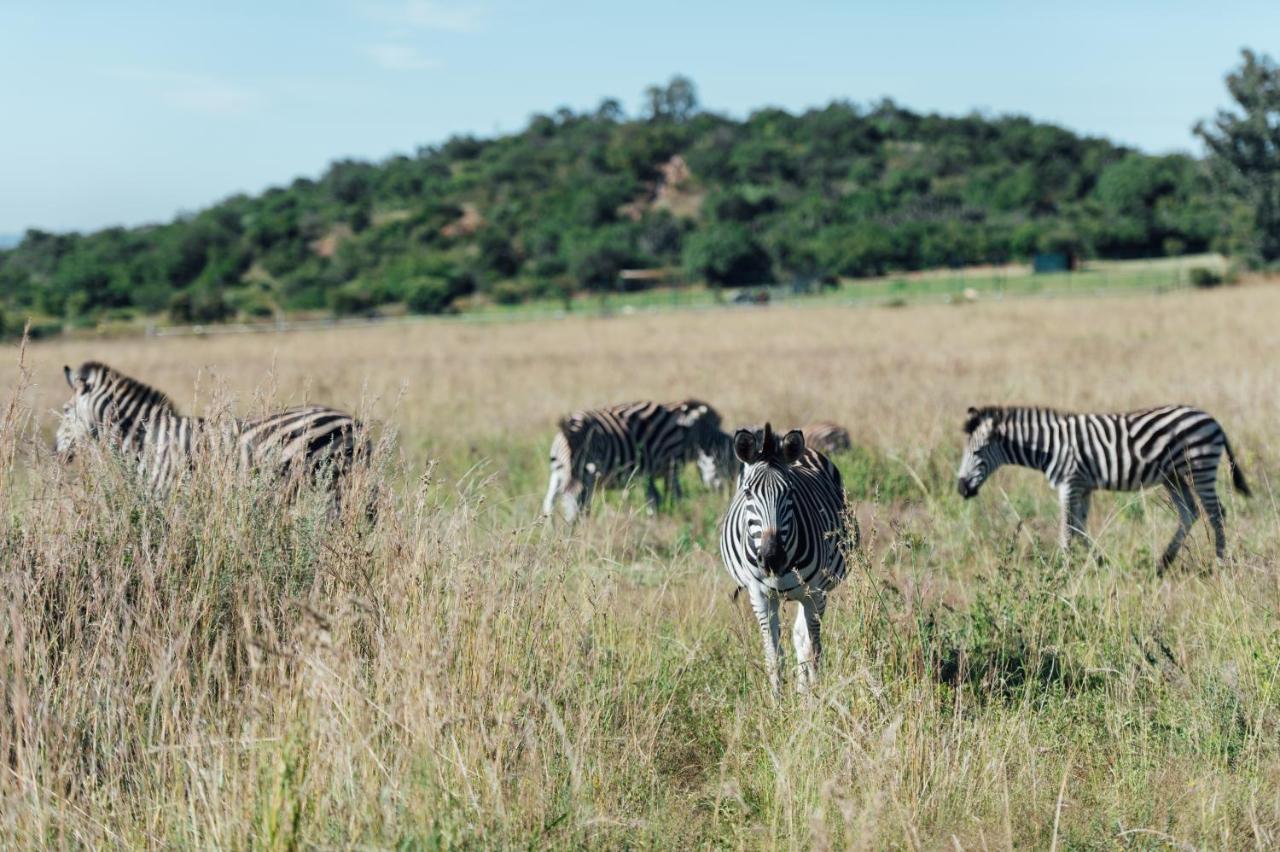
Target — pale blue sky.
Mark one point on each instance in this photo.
(129, 112)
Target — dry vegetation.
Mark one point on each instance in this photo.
(220, 672)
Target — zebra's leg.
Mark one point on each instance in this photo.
(575, 499)
(553, 489)
(1184, 502)
(766, 607)
(1074, 501)
(806, 636)
(674, 491)
(1206, 485)
(651, 493)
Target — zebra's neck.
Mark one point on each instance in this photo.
(134, 412)
(1034, 438)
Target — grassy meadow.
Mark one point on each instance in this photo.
(218, 671)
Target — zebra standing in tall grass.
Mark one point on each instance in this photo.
(606, 447)
(312, 441)
(783, 538)
(1174, 445)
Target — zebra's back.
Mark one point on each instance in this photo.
(609, 444)
(1138, 449)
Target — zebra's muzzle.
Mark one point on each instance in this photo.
(966, 490)
(773, 556)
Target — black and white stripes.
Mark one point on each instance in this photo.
(783, 538)
(607, 447)
(142, 422)
(1174, 445)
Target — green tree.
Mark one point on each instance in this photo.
(677, 101)
(727, 255)
(1245, 144)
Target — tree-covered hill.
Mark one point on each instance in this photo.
(565, 204)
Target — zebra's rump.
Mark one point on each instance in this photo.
(302, 439)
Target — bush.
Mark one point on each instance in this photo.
(198, 306)
(428, 295)
(1204, 277)
(512, 292)
(727, 254)
(352, 299)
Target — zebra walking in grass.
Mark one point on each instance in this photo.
(783, 538)
(607, 447)
(718, 465)
(313, 441)
(1174, 445)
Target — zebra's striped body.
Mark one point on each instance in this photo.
(143, 422)
(1176, 446)
(607, 447)
(783, 538)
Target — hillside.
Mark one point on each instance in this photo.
(565, 204)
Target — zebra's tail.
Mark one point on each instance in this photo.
(1237, 475)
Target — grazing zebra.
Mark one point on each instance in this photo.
(783, 538)
(718, 464)
(606, 447)
(827, 437)
(315, 441)
(1175, 446)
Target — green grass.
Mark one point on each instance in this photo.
(1094, 278)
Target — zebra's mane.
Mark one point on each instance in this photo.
(124, 384)
(998, 413)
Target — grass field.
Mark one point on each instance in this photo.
(218, 672)
(1015, 280)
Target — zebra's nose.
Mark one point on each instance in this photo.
(962, 486)
(773, 556)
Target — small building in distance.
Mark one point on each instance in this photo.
(1054, 261)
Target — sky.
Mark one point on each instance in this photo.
(123, 113)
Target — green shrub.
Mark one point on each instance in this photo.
(351, 299)
(428, 295)
(1204, 277)
(513, 292)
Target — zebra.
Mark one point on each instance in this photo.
(141, 421)
(827, 437)
(608, 446)
(1173, 445)
(784, 537)
(718, 464)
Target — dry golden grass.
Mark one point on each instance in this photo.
(219, 671)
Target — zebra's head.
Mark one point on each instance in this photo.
(97, 395)
(78, 423)
(983, 450)
(767, 494)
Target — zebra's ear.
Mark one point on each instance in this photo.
(792, 446)
(972, 419)
(744, 446)
(71, 377)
